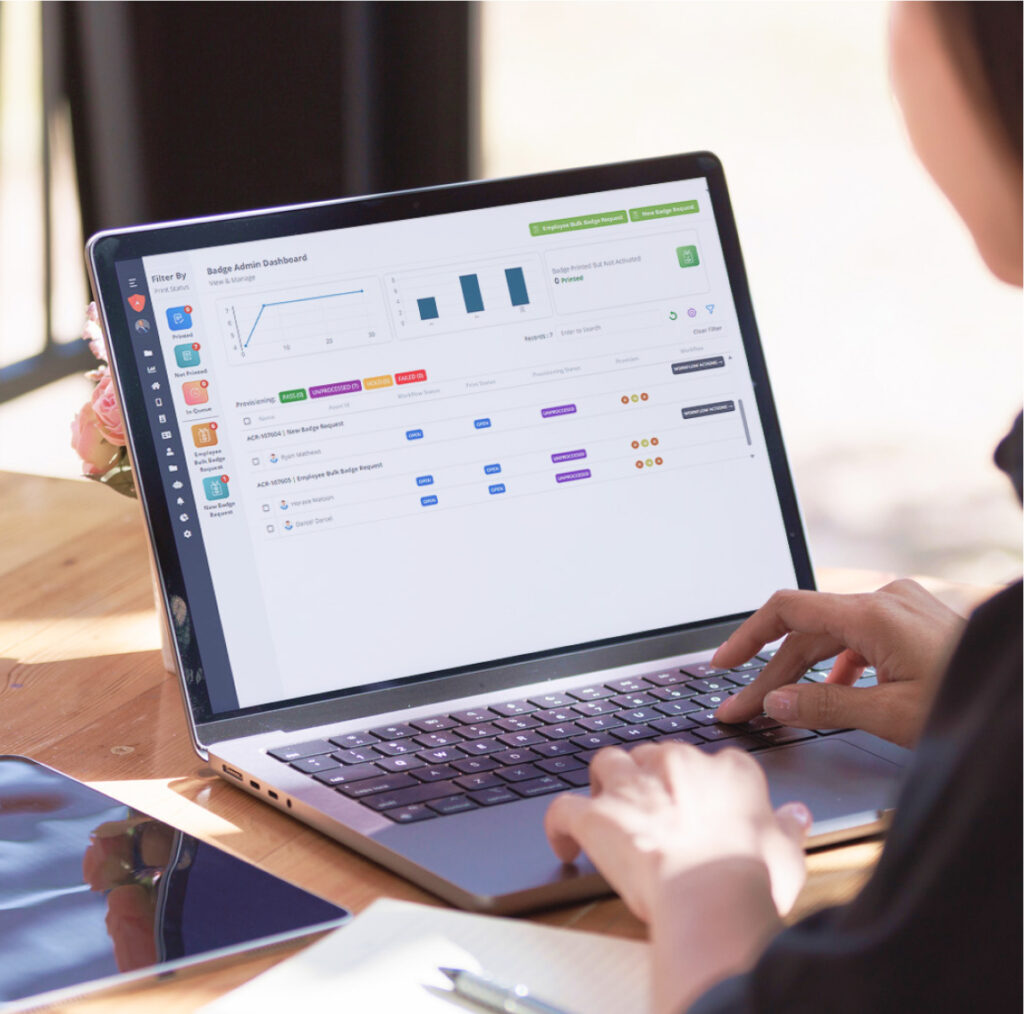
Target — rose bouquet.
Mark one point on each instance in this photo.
(97, 432)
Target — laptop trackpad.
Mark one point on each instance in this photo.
(833, 778)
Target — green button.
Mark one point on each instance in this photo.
(299, 394)
(653, 211)
(687, 256)
(558, 225)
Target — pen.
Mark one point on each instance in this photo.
(496, 996)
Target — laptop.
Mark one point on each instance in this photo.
(450, 488)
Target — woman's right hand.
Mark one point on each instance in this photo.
(903, 631)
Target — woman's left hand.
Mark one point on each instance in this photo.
(661, 811)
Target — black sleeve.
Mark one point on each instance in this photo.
(938, 925)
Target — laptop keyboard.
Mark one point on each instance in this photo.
(486, 756)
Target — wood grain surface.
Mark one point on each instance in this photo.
(82, 688)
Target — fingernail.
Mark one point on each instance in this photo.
(799, 813)
(782, 704)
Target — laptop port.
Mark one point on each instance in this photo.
(232, 772)
(272, 793)
(255, 785)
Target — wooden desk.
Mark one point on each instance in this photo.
(82, 689)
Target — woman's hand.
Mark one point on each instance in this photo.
(901, 630)
(691, 844)
(662, 810)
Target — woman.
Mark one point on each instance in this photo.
(690, 841)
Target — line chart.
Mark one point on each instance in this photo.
(270, 325)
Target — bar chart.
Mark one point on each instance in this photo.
(464, 297)
(268, 325)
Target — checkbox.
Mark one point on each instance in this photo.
(247, 421)
(270, 528)
(266, 508)
(255, 461)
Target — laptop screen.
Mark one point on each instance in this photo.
(406, 447)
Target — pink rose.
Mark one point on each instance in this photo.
(93, 333)
(98, 456)
(104, 404)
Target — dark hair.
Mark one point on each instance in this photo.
(985, 41)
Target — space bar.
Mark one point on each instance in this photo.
(415, 794)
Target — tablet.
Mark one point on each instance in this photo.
(94, 893)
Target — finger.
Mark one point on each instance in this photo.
(795, 821)
(562, 822)
(787, 612)
(797, 653)
(610, 767)
(849, 665)
(827, 706)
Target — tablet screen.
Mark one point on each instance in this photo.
(91, 888)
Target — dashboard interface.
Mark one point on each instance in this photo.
(406, 447)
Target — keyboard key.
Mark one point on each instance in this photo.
(435, 773)
(628, 685)
(487, 780)
(555, 716)
(632, 733)
(700, 670)
(754, 665)
(767, 654)
(638, 715)
(676, 707)
(473, 716)
(452, 804)
(477, 747)
(555, 748)
(477, 731)
(710, 700)
(687, 738)
(676, 693)
(433, 739)
(577, 778)
(475, 765)
(556, 765)
(511, 757)
(600, 722)
(540, 786)
(518, 723)
(744, 679)
(665, 679)
(521, 738)
(712, 733)
(595, 741)
(360, 755)
(825, 665)
(633, 700)
(814, 677)
(513, 708)
(356, 773)
(867, 681)
(299, 750)
(333, 777)
(551, 700)
(393, 731)
(759, 724)
(310, 765)
(435, 724)
(563, 731)
(409, 814)
(785, 734)
(404, 763)
(672, 724)
(347, 740)
(518, 773)
(492, 797)
(748, 743)
(703, 717)
(595, 708)
(371, 786)
(595, 693)
(395, 747)
(710, 685)
(441, 755)
(421, 793)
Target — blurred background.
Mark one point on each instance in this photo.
(895, 358)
